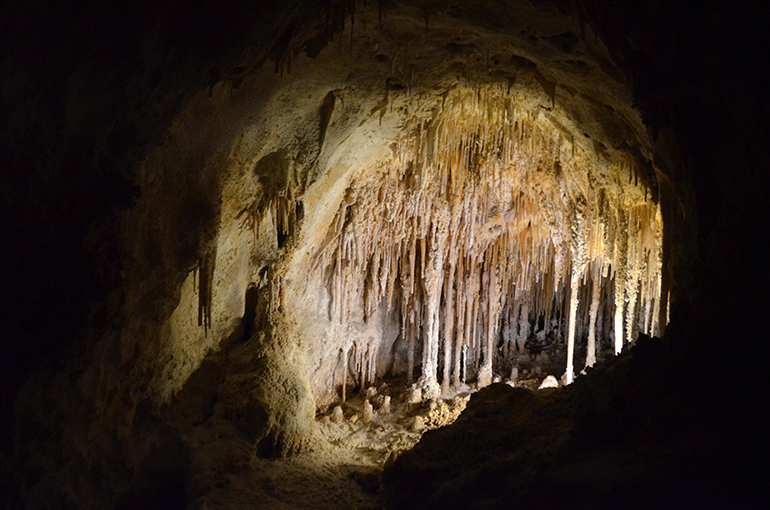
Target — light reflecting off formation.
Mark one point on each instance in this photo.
(487, 220)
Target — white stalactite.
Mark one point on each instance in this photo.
(448, 331)
(573, 305)
(478, 213)
(596, 288)
(433, 284)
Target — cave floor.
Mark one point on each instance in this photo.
(342, 468)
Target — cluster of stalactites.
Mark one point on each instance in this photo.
(361, 359)
(481, 219)
(285, 214)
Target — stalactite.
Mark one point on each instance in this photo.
(523, 326)
(205, 290)
(573, 304)
(492, 313)
(412, 341)
(603, 314)
(578, 255)
(342, 366)
(373, 348)
(621, 250)
(596, 291)
(475, 222)
(655, 327)
(448, 330)
(631, 319)
(459, 338)
(633, 271)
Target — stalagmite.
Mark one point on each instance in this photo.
(385, 407)
(337, 415)
(367, 413)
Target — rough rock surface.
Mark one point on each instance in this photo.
(602, 442)
(181, 195)
(549, 382)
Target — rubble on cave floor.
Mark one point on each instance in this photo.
(379, 423)
(356, 440)
(384, 421)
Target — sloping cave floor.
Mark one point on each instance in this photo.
(342, 466)
(651, 428)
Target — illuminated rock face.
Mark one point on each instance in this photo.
(426, 217)
(425, 203)
(482, 215)
(431, 192)
(421, 209)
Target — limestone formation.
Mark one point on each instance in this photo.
(414, 395)
(441, 202)
(367, 412)
(549, 382)
(337, 415)
(478, 214)
(385, 407)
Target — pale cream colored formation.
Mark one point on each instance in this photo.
(431, 222)
(483, 211)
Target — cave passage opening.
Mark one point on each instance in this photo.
(448, 199)
(467, 208)
(488, 247)
(397, 230)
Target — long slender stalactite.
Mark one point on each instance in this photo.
(486, 215)
(596, 289)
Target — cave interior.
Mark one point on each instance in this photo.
(395, 254)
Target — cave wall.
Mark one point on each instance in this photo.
(304, 138)
(260, 152)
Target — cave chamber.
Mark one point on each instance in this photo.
(354, 225)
